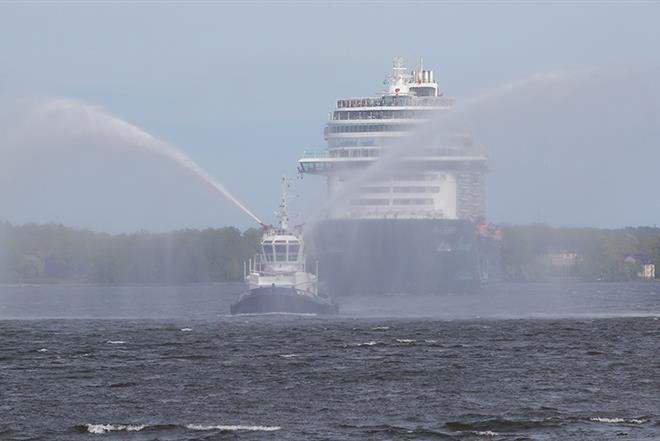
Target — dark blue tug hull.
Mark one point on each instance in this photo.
(282, 300)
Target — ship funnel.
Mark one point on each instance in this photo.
(423, 76)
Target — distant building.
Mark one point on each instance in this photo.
(564, 259)
(648, 272)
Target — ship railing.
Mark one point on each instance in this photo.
(315, 155)
(255, 265)
(389, 101)
(259, 264)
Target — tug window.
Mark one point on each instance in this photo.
(268, 252)
(280, 251)
(293, 251)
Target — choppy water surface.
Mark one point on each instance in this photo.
(537, 362)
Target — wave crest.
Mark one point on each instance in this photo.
(233, 428)
(616, 420)
(100, 429)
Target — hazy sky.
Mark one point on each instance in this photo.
(245, 88)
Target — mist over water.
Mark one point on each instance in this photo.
(211, 302)
(566, 148)
(575, 148)
(66, 128)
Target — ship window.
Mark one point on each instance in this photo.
(370, 202)
(414, 189)
(424, 91)
(293, 251)
(268, 252)
(351, 142)
(375, 189)
(280, 252)
(368, 128)
(413, 201)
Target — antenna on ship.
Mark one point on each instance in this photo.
(398, 68)
(397, 81)
(284, 215)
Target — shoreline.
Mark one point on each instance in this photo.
(113, 285)
(236, 283)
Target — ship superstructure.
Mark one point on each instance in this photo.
(444, 180)
(413, 227)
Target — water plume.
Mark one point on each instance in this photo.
(41, 122)
(558, 138)
(568, 142)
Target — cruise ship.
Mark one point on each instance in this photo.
(417, 226)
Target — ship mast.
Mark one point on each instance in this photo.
(398, 84)
(284, 215)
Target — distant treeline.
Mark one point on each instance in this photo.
(53, 253)
(539, 252)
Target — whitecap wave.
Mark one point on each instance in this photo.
(186, 329)
(288, 355)
(367, 343)
(42, 350)
(116, 342)
(616, 420)
(405, 340)
(233, 428)
(100, 429)
(485, 433)
(380, 328)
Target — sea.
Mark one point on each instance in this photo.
(553, 361)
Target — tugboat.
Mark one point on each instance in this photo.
(277, 277)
